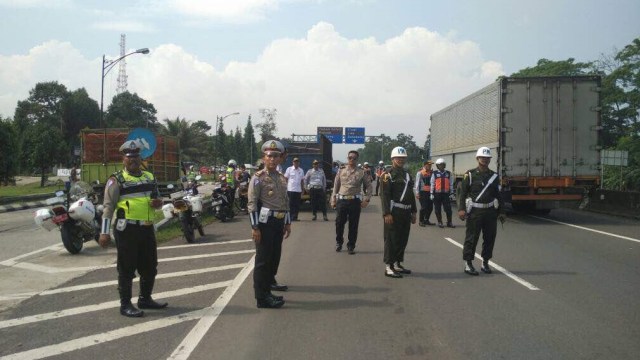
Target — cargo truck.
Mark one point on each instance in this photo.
(100, 157)
(543, 133)
(307, 151)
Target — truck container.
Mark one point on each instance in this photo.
(307, 151)
(101, 157)
(543, 133)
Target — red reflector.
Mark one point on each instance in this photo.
(60, 218)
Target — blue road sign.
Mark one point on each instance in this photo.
(146, 138)
(333, 133)
(354, 135)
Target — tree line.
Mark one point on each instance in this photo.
(45, 128)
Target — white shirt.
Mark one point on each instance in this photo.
(294, 178)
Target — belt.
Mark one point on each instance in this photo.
(349, 197)
(316, 186)
(400, 206)
(482, 205)
(140, 222)
(277, 214)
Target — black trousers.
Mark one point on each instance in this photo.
(294, 203)
(268, 253)
(485, 220)
(318, 201)
(440, 200)
(137, 250)
(348, 210)
(377, 185)
(426, 207)
(396, 235)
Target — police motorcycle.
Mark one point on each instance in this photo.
(187, 206)
(75, 215)
(222, 201)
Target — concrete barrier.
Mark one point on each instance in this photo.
(623, 203)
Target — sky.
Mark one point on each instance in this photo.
(385, 65)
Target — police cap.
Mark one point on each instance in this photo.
(272, 146)
(130, 147)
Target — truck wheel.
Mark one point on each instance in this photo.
(71, 238)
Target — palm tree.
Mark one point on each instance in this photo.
(192, 135)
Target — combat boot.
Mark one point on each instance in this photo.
(145, 301)
(485, 267)
(469, 269)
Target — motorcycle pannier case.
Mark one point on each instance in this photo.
(167, 211)
(196, 203)
(44, 219)
(82, 210)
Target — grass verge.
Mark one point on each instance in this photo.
(173, 230)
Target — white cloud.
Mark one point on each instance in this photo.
(234, 11)
(35, 3)
(125, 26)
(323, 79)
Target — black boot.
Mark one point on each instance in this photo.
(469, 269)
(145, 301)
(126, 308)
(485, 267)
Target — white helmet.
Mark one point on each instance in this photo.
(381, 162)
(232, 163)
(484, 152)
(440, 161)
(398, 151)
(366, 163)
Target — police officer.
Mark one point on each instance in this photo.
(399, 212)
(379, 170)
(441, 191)
(270, 223)
(423, 191)
(481, 204)
(347, 199)
(133, 194)
(316, 182)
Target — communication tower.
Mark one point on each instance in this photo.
(122, 68)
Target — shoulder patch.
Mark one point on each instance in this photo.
(386, 177)
(466, 175)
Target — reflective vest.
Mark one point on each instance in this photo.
(231, 177)
(426, 180)
(135, 195)
(442, 181)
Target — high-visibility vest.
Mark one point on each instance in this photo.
(135, 195)
(426, 180)
(442, 181)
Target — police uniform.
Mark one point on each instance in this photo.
(268, 207)
(129, 196)
(481, 214)
(441, 189)
(315, 180)
(347, 197)
(423, 189)
(398, 200)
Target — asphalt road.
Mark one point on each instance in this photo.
(565, 286)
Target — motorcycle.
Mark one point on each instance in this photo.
(187, 205)
(222, 203)
(75, 215)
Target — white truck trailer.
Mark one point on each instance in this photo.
(543, 133)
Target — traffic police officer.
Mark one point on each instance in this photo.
(133, 194)
(270, 223)
(316, 182)
(481, 204)
(441, 190)
(346, 198)
(423, 191)
(399, 211)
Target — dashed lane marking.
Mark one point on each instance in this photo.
(588, 229)
(514, 277)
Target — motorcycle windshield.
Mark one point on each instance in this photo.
(80, 189)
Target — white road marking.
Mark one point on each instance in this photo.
(514, 277)
(115, 282)
(105, 305)
(13, 261)
(52, 270)
(191, 341)
(204, 244)
(103, 337)
(588, 229)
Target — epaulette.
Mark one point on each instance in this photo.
(386, 176)
(259, 173)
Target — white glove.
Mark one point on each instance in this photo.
(431, 197)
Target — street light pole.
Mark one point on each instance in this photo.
(219, 119)
(107, 65)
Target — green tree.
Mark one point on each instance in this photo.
(44, 146)
(546, 67)
(80, 112)
(221, 153)
(8, 152)
(249, 141)
(131, 111)
(192, 135)
(267, 128)
(240, 150)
